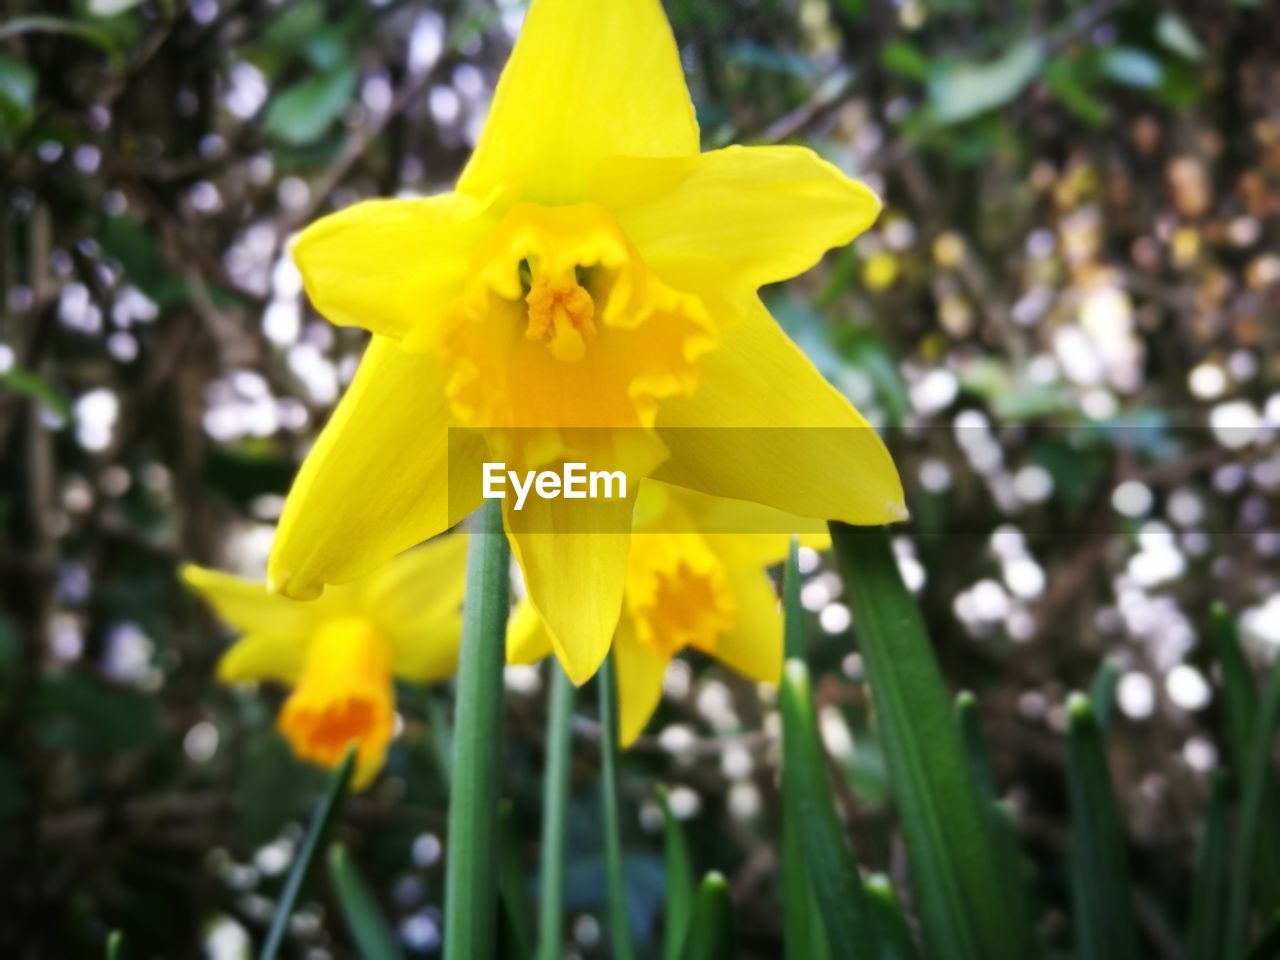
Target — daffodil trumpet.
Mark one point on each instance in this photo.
(339, 655)
(587, 292)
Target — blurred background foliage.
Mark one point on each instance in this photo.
(1066, 321)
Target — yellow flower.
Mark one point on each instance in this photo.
(684, 588)
(592, 269)
(339, 654)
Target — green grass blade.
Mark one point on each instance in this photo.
(114, 948)
(1004, 840)
(803, 936)
(1241, 698)
(326, 810)
(1102, 693)
(895, 938)
(680, 891)
(1209, 897)
(964, 902)
(369, 930)
(470, 898)
(711, 933)
(619, 918)
(511, 889)
(1256, 777)
(1101, 891)
(807, 801)
(555, 805)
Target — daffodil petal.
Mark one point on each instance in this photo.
(390, 265)
(258, 657)
(418, 592)
(743, 217)
(377, 480)
(753, 645)
(641, 670)
(587, 79)
(528, 640)
(765, 426)
(574, 563)
(247, 605)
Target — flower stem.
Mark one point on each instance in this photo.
(470, 897)
(618, 918)
(555, 801)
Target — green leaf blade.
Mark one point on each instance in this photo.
(369, 930)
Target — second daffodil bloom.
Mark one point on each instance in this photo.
(339, 654)
(592, 269)
(684, 589)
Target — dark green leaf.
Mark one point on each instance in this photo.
(1242, 710)
(963, 897)
(17, 97)
(1209, 896)
(711, 933)
(1102, 692)
(1256, 781)
(1101, 891)
(619, 920)
(895, 938)
(833, 875)
(679, 886)
(323, 816)
(115, 946)
(906, 59)
(555, 812)
(511, 888)
(369, 930)
(30, 385)
(1065, 81)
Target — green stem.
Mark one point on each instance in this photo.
(324, 813)
(470, 898)
(555, 802)
(618, 920)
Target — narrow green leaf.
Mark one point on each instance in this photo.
(555, 805)
(833, 875)
(1102, 693)
(511, 888)
(470, 892)
(115, 945)
(1004, 839)
(804, 937)
(680, 891)
(965, 903)
(619, 919)
(373, 938)
(72, 28)
(1101, 891)
(324, 813)
(1209, 896)
(711, 933)
(895, 938)
(1242, 710)
(1256, 777)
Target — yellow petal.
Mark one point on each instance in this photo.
(377, 480)
(743, 216)
(528, 640)
(390, 266)
(765, 426)
(587, 79)
(574, 563)
(753, 645)
(416, 601)
(344, 694)
(248, 606)
(641, 669)
(258, 656)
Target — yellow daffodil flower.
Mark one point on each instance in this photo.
(339, 654)
(708, 591)
(593, 270)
